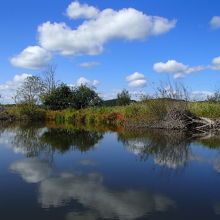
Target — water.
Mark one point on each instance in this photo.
(49, 172)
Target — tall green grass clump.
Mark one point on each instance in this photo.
(27, 112)
(205, 109)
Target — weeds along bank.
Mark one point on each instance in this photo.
(24, 112)
(153, 113)
(90, 116)
(205, 109)
(157, 113)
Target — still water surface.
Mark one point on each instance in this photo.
(79, 174)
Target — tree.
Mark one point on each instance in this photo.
(84, 96)
(123, 98)
(30, 91)
(49, 80)
(27, 97)
(215, 97)
(60, 98)
(64, 97)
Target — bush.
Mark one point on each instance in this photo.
(132, 110)
(64, 97)
(84, 97)
(60, 98)
(123, 98)
(31, 112)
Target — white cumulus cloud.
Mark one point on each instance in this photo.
(135, 76)
(216, 63)
(178, 69)
(136, 80)
(179, 76)
(84, 81)
(139, 83)
(8, 89)
(76, 10)
(89, 64)
(89, 37)
(32, 57)
(171, 66)
(215, 22)
(196, 69)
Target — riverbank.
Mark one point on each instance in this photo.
(160, 114)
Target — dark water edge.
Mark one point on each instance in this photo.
(54, 171)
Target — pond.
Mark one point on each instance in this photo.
(62, 172)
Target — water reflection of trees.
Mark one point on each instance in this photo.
(210, 140)
(34, 140)
(63, 139)
(27, 140)
(168, 148)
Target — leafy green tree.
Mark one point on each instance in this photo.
(123, 98)
(60, 98)
(30, 91)
(84, 96)
(64, 97)
(28, 95)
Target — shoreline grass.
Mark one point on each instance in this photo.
(151, 111)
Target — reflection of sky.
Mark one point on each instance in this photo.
(112, 183)
(87, 162)
(90, 191)
(32, 170)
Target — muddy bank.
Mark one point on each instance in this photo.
(175, 120)
(6, 116)
(178, 120)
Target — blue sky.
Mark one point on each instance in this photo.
(115, 43)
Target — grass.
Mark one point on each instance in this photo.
(149, 110)
(102, 115)
(205, 109)
(27, 112)
(139, 111)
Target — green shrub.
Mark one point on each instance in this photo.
(205, 109)
(132, 111)
(30, 112)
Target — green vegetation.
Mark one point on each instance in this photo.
(84, 97)
(109, 103)
(42, 98)
(205, 109)
(123, 98)
(148, 110)
(60, 98)
(64, 97)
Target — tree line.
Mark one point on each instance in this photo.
(54, 95)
